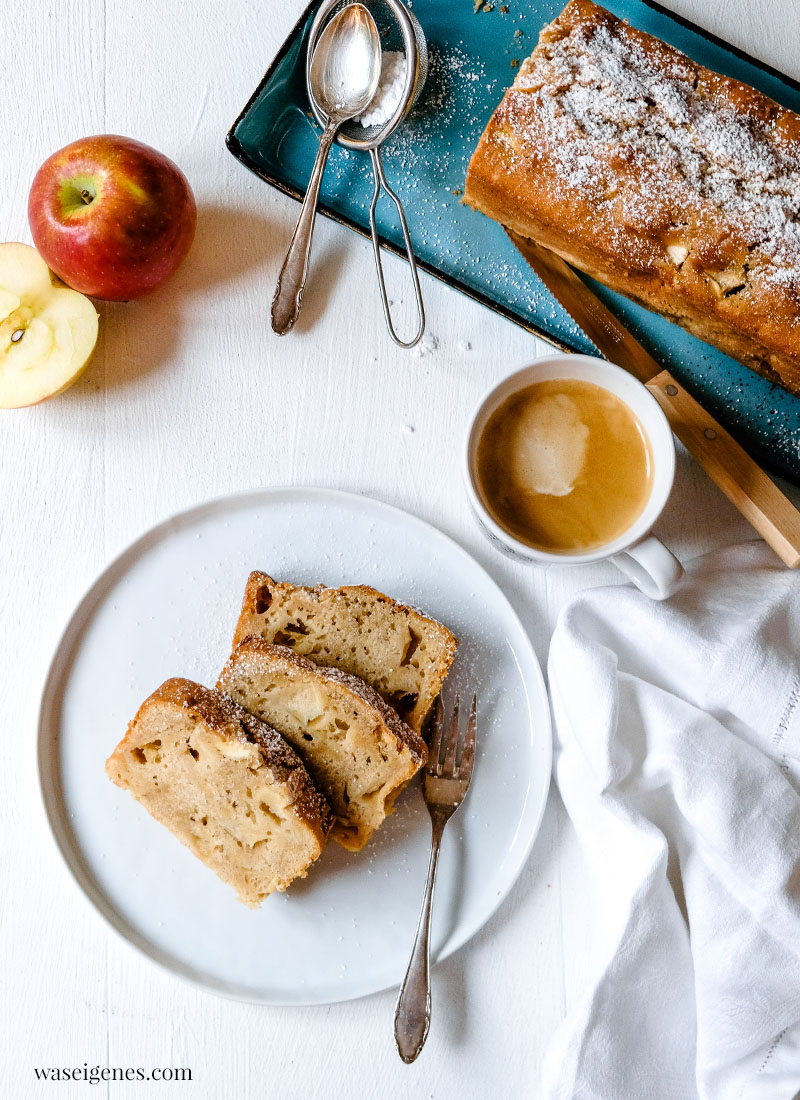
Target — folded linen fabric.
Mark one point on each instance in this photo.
(678, 759)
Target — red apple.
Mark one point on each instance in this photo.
(111, 217)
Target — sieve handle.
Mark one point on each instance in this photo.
(381, 184)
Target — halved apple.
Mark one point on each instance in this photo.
(47, 332)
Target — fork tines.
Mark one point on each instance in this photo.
(444, 750)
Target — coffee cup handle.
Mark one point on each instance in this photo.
(652, 568)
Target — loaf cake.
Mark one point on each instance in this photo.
(401, 653)
(358, 751)
(226, 785)
(668, 182)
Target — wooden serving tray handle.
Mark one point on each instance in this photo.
(729, 466)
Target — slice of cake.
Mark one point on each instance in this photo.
(401, 653)
(358, 751)
(226, 785)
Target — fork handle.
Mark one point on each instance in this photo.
(412, 1017)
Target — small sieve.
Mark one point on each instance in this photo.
(400, 27)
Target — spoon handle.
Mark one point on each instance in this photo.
(288, 297)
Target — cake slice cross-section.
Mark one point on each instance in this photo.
(401, 653)
(226, 785)
(359, 753)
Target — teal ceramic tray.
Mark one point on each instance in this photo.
(472, 62)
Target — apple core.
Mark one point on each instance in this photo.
(47, 332)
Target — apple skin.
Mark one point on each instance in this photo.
(111, 217)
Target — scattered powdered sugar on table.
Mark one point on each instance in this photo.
(429, 154)
(455, 87)
(390, 88)
(427, 346)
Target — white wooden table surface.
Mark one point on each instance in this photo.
(190, 396)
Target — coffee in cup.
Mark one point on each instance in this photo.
(564, 465)
(571, 460)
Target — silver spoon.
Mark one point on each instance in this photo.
(345, 71)
(370, 138)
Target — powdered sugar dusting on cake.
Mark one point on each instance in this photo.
(603, 105)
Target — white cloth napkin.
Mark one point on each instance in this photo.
(678, 759)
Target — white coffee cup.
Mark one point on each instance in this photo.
(638, 553)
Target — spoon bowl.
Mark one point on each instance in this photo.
(343, 78)
(346, 64)
(407, 35)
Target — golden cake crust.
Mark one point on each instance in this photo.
(667, 182)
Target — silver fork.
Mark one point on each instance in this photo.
(444, 786)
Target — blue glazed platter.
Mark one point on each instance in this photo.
(473, 58)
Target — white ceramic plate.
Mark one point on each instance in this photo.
(167, 607)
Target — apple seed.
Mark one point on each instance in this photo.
(17, 335)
